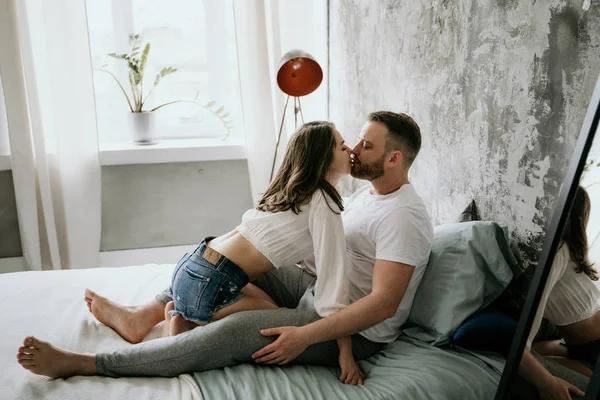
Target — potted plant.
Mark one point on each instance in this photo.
(143, 119)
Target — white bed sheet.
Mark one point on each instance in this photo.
(50, 305)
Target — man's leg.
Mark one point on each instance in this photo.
(223, 343)
(285, 285)
(523, 389)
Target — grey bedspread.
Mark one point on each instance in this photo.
(406, 369)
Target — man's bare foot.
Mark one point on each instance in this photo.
(42, 358)
(133, 323)
(179, 325)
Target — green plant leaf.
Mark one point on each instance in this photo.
(220, 110)
(211, 103)
(167, 71)
(118, 56)
(144, 60)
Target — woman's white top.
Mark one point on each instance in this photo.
(285, 238)
(568, 297)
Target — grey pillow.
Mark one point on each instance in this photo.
(470, 213)
(468, 268)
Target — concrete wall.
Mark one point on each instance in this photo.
(153, 205)
(156, 205)
(499, 88)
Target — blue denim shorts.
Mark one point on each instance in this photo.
(205, 281)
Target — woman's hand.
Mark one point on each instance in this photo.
(351, 373)
(558, 389)
(289, 345)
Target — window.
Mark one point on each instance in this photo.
(196, 37)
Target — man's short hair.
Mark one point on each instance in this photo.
(403, 134)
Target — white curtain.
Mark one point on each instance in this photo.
(265, 30)
(47, 78)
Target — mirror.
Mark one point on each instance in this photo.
(512, 384)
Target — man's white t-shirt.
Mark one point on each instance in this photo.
(394, 227)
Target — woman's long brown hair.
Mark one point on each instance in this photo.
(575, 235)
(303, 170)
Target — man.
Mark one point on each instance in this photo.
(388, 238)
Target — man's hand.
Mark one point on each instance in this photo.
(558, 389)
(351, 373)
(289, 345)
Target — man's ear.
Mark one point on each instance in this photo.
(396, 158)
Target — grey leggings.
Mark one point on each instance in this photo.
(233, 340)
(522, 389)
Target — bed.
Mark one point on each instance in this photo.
(50, 305)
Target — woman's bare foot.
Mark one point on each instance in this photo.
(133, 323)
(42, 358)
(179, 325)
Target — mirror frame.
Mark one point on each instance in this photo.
(551, 243)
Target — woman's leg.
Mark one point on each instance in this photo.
(251, 290)
(550, 348)
(284, 286)
(133, 323)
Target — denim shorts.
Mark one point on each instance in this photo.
(205, 281)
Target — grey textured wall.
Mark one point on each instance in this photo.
(10, 239)
(499, 88)
(156, 205)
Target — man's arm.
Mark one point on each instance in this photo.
(390, 281)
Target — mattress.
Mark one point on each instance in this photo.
(50, 305)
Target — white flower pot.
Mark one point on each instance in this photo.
(143, 127)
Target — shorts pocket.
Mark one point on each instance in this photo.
(189, 288)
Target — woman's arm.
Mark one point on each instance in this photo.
(350, 374)
(329, 243)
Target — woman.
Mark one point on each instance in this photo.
(571, 302)
(298, 215)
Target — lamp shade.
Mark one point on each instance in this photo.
(298, 73)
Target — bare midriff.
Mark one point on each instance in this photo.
(243, 253)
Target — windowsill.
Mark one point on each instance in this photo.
(5, 163)
(172, 151)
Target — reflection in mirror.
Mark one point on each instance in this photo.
(557, 340)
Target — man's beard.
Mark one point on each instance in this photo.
(370, 171)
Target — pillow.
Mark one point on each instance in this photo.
(469, 266)
(486, 330)
(468, 214)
